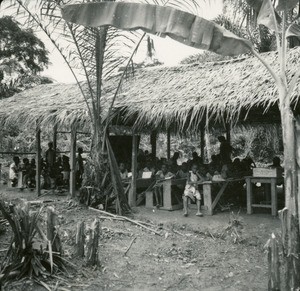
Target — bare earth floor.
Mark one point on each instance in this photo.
(191, 254)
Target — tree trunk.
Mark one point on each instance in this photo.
(290, 224)
(93, 244)
(80, 239)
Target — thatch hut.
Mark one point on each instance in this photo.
(182, 98)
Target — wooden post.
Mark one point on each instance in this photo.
(38, 161)
(93, 256)
(80, 239)
(153, 138)
(52, 234)
(202, 145)
(249, 194)
(73, 161)
(169, 143)
(274, 264)
(132, 192)
(55, 138)
(297, 133)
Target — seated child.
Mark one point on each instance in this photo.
(191, 190)
(158, 187)
(14, 169)
(123, 171)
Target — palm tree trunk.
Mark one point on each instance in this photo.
(289, 217)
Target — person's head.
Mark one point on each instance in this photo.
(32, 162)
(221, 138)
(122, 167)
(16, 160)
(202, 169)
(50, 145)
(176, 155)
(164, 168)
(195, 155)
(146, 152)
(276, 161)
(236, 161)
(194, 168)
(25, 161)
(80, 150)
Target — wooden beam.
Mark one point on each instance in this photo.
(55, 138)
(17, 153)
(228, 132)
(73, 160)
(132, 192)
(168, 144)
(153, 138)
(38, 161)
(202, 144)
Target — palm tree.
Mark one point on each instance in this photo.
(98, 52)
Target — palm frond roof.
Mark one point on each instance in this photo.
(158, 97)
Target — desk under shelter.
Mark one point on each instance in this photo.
(272, 181)
(209, 202)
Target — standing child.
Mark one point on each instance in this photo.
(160, 176)
(191, 190)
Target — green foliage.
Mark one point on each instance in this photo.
(23, 45)
(27, 254)
(22, 56)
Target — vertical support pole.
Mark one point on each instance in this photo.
(274, 196)
(202, 144)
(249, 194)
(297, 133)
(38, 160)
(228, 133)
(169, 143)
(55, 139)
(153, 138)
(207, 197)
(132, 192)
(73, 160)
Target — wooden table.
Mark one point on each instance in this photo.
(167, 195)
(209, 204)
(263, 180)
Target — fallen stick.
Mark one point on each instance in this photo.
(130, 245)
(126, 218)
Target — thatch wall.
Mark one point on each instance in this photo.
(180, 96)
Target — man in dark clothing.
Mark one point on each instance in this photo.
(50, 165)
(225, 150)
(79, 168)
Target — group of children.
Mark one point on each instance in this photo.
(194, 171)
(55, 170)
(28, 168)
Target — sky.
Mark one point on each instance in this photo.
(168, 51)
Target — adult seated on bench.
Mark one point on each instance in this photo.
(14, 169)
(191, 190)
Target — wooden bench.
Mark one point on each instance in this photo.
(167, 195)
(208, 201)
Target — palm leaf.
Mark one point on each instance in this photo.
(165, 21)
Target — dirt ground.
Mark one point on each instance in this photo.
(191, 253)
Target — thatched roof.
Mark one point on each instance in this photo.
(178, 96)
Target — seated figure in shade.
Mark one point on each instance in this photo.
(183, 171)
(14, 169)
(191, 190)
(276, 165)
(123, 171)
(160, 176)
(149, 168)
